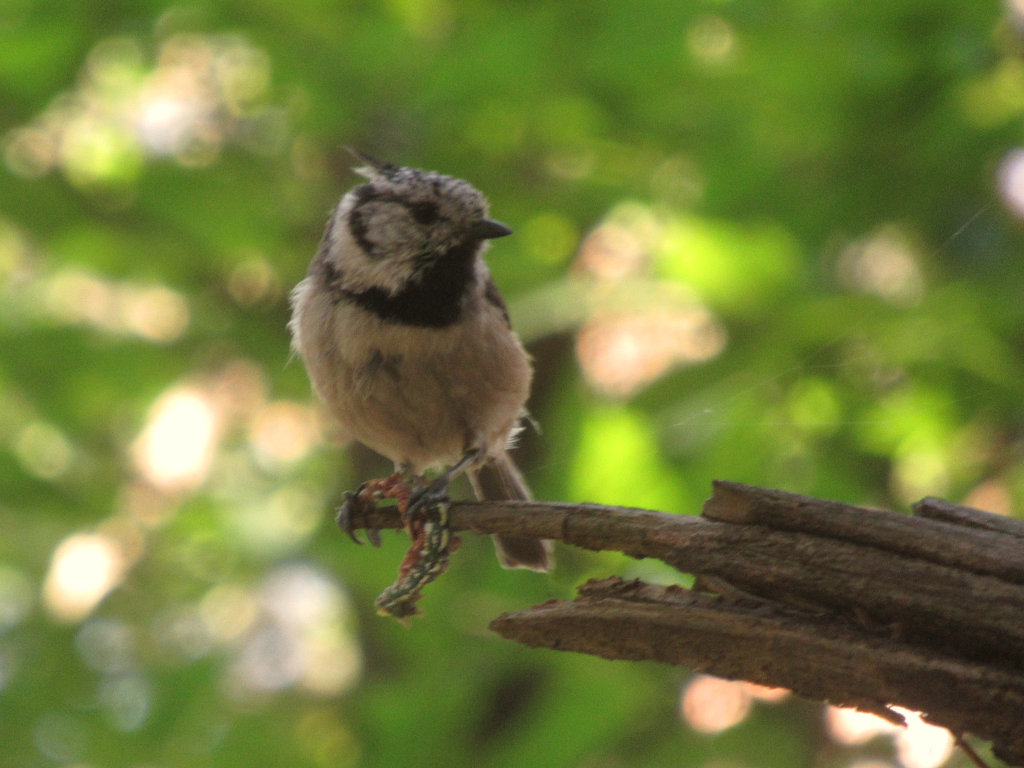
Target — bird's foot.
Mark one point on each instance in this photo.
(426, 496)
(434, 493)
(357, 506)
(423, 505)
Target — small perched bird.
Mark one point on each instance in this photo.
(407, 340)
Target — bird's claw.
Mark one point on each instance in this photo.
(352, 512)
(423, 508)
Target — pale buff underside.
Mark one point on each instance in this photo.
(419, 396)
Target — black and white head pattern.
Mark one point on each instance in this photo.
(405, 244)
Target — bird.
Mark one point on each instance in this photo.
(408, 342)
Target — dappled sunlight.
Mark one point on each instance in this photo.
(228, 611)
(291, 631)
(991, 496)
(765, 693)
(283, 433)
(1011, 180)
(15, 251)
(620, 246)
(181, 634)
(185, 427)
(253, 281)
(851, 727)
(655, 280)
(639, 327)
(221, 432)
(152, 312)
(143, 503)
(83, 569)
(43, 450)
(621, 354)
(274, 521)
(238, 389)
(921, 471)
(735, 256)
(711, 40)
(126, 700)
(885, 264)
(299, 639)
(677, 181)
(918, 744)
(711, 705)
(176, 447)
(198, 94)
(123, 692)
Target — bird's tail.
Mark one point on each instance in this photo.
(498, 479)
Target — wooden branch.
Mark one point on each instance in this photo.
(814, 655)
(856, 606)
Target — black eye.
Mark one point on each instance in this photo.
(425, 213)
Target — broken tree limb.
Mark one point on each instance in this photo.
(856, 606)
(812, 655)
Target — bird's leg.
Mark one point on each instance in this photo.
(398, 486)
(437, 490)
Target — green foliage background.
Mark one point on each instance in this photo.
(825, 185)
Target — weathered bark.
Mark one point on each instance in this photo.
(856, 606)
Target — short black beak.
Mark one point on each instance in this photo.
(486, 229)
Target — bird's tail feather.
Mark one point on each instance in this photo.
(498, 479)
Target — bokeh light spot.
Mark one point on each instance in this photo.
(922, 745)
(43, 450)
(813, 406)
(154, 313)
(620, 354)
(277, 523)
(711, 705)
(83, 569)
(157, 314)
(991, 496)
(283, 433)
(127, 700)
(549, 238)
(621, 246)
(252, 281)
(302, 638)
(711, 40)
(852, 727)
(106, 646)
(200, 93)
(918, 744)
(228, 611)
(176, 447)
(1011, 180)
(884, 264)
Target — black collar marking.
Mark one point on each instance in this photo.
(433, 300)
